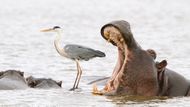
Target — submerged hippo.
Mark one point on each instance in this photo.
(171, 83)
(42, 83)
(135, 72)
(12, 79)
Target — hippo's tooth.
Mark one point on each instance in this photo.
(109, 40)
(121, 40)
(106, 34)
(95, 90)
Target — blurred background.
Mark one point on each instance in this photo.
(158, 24)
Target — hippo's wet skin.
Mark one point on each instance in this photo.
(171, 83)
(103, 81)
(42, 83)
(12, 79)
(135, 72)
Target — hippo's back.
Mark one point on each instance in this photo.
(178, 85)
(11, 84)
(47, 84)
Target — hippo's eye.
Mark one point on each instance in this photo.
(32, 84)
(1, 73)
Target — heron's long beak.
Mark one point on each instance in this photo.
(46, 30)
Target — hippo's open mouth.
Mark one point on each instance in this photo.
(135, 72)
(113, 35)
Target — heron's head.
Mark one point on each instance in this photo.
(54, 29)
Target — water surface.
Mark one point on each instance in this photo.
(158, 24)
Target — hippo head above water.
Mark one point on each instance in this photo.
(11, 73)
(135, 72)
(170, 82)
(42, 83)
(12, 79)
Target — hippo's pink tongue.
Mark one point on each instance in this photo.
(122, 59)
(121, 56)
(119, 62)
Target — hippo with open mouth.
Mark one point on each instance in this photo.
(135, 72)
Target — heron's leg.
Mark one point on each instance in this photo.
(74, 86)
(80, 73)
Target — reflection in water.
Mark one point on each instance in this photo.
(136, 99)
(159, 24)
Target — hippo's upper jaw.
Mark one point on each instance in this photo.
(135, 72)
(112, 34)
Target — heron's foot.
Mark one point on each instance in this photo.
(76, 89)
(72, 89)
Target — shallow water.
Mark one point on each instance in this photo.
(161, 25)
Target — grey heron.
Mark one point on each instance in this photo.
(74, 52)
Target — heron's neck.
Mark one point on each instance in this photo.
(58, 45)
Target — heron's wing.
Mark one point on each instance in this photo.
(82, 52)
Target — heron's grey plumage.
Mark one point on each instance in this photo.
(81, 52)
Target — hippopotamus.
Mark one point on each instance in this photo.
(170, 82)
(42, 83)
(103, 80)
(12, 79)
(135, 72)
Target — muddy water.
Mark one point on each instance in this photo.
(159, 24)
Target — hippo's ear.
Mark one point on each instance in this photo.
(162, 78)
(31, 82)
(152, 53)
(59, 83)
(162, 64)
(28, 78)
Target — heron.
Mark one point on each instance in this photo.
(73, 52)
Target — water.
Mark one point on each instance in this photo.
(161, 25)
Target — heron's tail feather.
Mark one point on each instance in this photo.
(100, 54)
